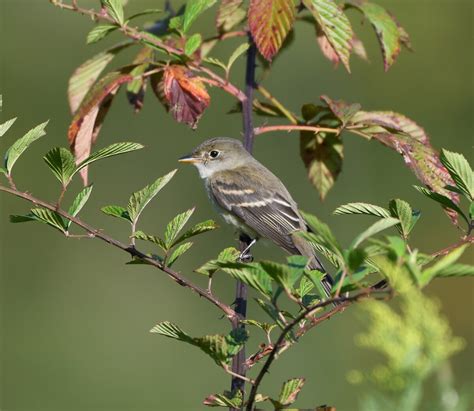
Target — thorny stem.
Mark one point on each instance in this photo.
(228, 311)
(342, 303)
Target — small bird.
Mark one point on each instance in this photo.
(251, 198)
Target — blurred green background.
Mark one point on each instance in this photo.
(75, 319)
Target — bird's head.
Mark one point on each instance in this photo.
(217, 154)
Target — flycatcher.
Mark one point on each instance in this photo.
(251, 198)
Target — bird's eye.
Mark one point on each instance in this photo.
(214, 153)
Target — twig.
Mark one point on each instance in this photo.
(290, 127)
(228, 311)
(341, 302)
(444, 251)
(238, 376)
(288, 114)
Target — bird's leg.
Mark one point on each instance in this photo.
(245, 256)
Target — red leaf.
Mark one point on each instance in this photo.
(270, 22)
(185, 95)
(326, 48)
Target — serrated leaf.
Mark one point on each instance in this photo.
(192, 44)
(175, 226)
(22, 218)
(335, 25)
(99, 32)
(442, 264)
(456, 270)
(385, 26)
(402, 210)
(290, 390)
(316, 277)
(250, 274)
(229, 14)
(225, 400)
(61, 162)
(116, 211)
(78, 203)
(114, 9)
(19, 146)
(4, 127)
(460, 171)
(271, 311)
(170, 330)
(87, 73)
(236, 54)
(199, 228)
(286, 275)
(139, 200)
(322, 233)
(215, 62)
(194, 8)
(140, 235)
(50, 218)
(352, 281)
(230, 254)
(342, 110)
(178, 252)
(305, 287)
(362, 208)
(136, 88)
(265, 327)
(375, 228)
(270, 21)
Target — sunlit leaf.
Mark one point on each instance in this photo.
(270, 21)
(229, 14)
(192, 44)
(51, 218)
(362, 208)
(236, 54)
(178, 252)
(199, 228)
(114, 9)
(460, 171)
(99, 32)
(61, 163)
(151, 238)
(4, 127)
(79, 202)
(175, 226)
(250, 274)
(290, 390)
(116, 211)
(194, 8)
(402, 210)
(456, 270)
(442, 264)
(230, 254)
(225, 400)
(375, 228)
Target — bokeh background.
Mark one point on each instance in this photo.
(75, 318)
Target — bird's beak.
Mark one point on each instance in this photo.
(189, 159)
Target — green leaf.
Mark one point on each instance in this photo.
(192, 44)
(236, 54)
(265, 327)
(229, 254)
(61, 162)
(51, 218)
(215, 62)
(442, 264)
(352, 281)
(305, 287)
(4, 127)
(456, 270)
(194, 8)
(269, 22)
(250, 274)
(114, 9)
(286, 275)
(290, 390)
(460, 171)
(271, 311)
(446, 202)
(144, 13)
(199, 228)
(175, 226)
(322, 233)
(225, 400)
(3, 171)
(22, 218)
(362, 208)
(18, 148)
(471, 211)
(316, 278)
(99, 32)
(402, 210)
(178, 252)
(374, 229)
(139, 200)
(151, 238)
(79, 202)
(117, 211)
(170, 330)
(385, 27)
(109, 151)
(335, 25)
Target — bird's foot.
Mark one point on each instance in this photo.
(245, 257)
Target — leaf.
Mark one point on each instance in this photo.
(139, 200)
(236, 54)
(362, 208)
(199, 228)
(19, 146)
(265, 327)
(446, 202)
(114, 9)
(61, 163)
(316, 277)
(250, 274)
(322, 233)
(136, 88)
(456, 270)
(170, 330)
(3, 171)
(271, 311)
(229, 14)
(117, 211)
(375, 228)
(50, 218)
(215, 62)
(269, 22)
(144, 13)
(175, 226)
(194, 8)
(99, 32)
(326, 48)
(186, 96)
(4, 127)
(290, 390)
(385, 26)
(322, 155)
(442, 264)
(286, 275)
(225, 400)
(335, 25)
(22, 218)
(460, 171)
(343, 111)
(402, 210)
(230, 254)
(78, 203)
(178, 252)
(87, 73)
(151, 238)
(192, 44)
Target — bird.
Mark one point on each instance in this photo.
(252, 199)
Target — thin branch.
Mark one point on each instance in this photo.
(291, 127)
(342, 303)
(238, 376)
(447, 250)
(228, 311)
(288, 114)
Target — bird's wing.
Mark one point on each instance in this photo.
(264, 206)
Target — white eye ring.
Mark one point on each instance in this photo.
(214, 153)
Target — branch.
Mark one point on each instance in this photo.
(228, 311)
(447, 250)
(288, 114)
(342, 303)
(291, 127)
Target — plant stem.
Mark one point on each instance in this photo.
(290, 127)
(288, 114)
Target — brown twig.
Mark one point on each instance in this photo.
(228, 311)
(293, 127)
(447, 250)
